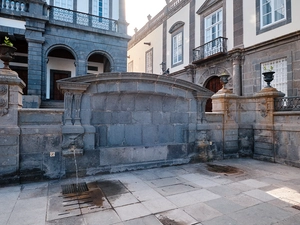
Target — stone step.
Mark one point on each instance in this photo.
(52, 104)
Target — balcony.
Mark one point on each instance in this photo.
(19, 6)
(210, 50)
(83, 19)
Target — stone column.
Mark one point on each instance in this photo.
(10, 102)
(34, 36)
(203, 151)
(236, 73)
(264, 127)
(122, 18)
(225, 102)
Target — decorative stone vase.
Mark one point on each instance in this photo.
(268, 77)
(224, 79)
(6, 55)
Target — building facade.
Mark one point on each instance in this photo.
(199, 40)
(56, 39)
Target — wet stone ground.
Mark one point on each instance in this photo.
(235, 192)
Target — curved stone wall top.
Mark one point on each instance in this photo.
(137, 81)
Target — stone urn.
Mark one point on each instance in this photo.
(6, 55)
(224, 79)
(268, 77)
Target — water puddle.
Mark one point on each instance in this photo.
(223, 169)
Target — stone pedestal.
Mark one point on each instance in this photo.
(224, 101)
(10, 102)
(264, 127)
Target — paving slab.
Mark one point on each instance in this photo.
(261, 214)
(202, 212)
(106, 217)
(133, 211)
(176, 216)
(221, 220)
(260, 195)
(225, 206)
(159, 205)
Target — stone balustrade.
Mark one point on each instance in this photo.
(14, 5)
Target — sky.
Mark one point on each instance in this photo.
(138, 10)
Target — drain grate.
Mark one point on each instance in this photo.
(296, 207)
(74, 188)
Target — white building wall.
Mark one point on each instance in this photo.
(250, 37)
(182, 15)
(198, 4)
(12, 23)
(59, 64)
(137, 53)
(229, 24)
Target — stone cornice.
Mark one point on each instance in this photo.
(158, 20)
(291, 37)
(84, 81)
(206, 5)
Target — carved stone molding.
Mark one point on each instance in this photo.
(3, 89)
(3, 100)
(263, 108)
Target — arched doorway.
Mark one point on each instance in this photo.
(98, 63)
(214, 85)
(60, 65)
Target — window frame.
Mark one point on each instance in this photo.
(279, 66)
(272, 12)
(220, 22)
(274, 25)
(149, 63)
(179, 48)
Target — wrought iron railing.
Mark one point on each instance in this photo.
(287, 104)
(84, 19)
(218, 45)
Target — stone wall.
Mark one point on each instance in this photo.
(140, 120)
(40, 144)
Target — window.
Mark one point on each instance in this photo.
(67, 4)
(176, 31)
(177, 49)
(280, 77)
(213, 25)
(272, 11)
(272, 14)
(149, 61)
(101, 8)
(130, 66)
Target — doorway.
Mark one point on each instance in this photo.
(56, 75)
(214, 85)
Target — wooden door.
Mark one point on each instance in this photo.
(214, 85)
(57, 94)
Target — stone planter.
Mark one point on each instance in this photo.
(268, 77)
(6, 55)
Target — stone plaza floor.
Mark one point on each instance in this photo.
(257, 192)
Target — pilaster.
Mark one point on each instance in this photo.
(10, 102)
(224, 101)
(264, 127)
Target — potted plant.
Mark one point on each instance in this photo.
(268, 75)
(7, 51)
